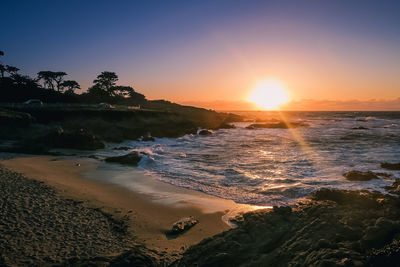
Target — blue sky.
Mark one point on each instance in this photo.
(176, 49)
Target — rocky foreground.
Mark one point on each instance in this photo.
(333, 228)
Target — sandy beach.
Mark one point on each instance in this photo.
(141, 214)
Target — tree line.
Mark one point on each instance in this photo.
(52, 86)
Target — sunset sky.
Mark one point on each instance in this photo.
(325, 54)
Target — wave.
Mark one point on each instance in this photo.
(271, 166)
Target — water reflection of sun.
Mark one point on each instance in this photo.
(268, 94)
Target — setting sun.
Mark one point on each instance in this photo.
(269, 94)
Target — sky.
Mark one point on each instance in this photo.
(212, 53)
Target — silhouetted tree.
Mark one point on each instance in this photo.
(11, 70)
(2, 67)
(105, 89)
(2, 70)
(51, 79)
(122, 91)
(58, 78)
(19, 79)
(47, 77)
(70, 85)
(106, 81)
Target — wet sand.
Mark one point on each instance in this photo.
(148, 206)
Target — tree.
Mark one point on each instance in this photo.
(70, 85)
(47, 77)
(58, 78)
(2, 70)
(122, 91)
(106, 90)
(106, 81)
(23, 80)
(11, 70)
(52, 79)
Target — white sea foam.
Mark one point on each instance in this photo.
(276, 166)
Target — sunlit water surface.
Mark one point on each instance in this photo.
(276, 166)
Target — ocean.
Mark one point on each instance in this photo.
(276, 166)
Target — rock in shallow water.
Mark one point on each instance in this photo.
(132, 158)
(391, 166)
(148, 139)
(360, 176)
(279, 125)
(205, 132)
(394, 188)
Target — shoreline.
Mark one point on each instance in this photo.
(151, 206)
(65, 214)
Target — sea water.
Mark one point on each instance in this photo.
(276, 166)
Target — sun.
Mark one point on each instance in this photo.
(269, 94)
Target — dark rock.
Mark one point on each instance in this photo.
(387, 255)
(383, 174)
(205, 132)
(391, 166)
(362, 199)
(73, 139)
(14, 118)
(267, 120)
(132, 158)
(379, 234)
(334, 228)
(182, 225)
(148, 139)
(360, 176)
(360, 128)
(226, 126)
(279, 125)
(394, 188)
(138, 256)
(122, 148)
(282, 209)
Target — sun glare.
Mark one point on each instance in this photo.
(268, 94)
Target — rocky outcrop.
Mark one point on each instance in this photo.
(334, 228)
(205, 132)
(391, 166)
(148, 138)
(225, 125)
(14, 118)
(360, 176)
(132, 159)
(394, 188)
(73, 139)
(278, 125)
